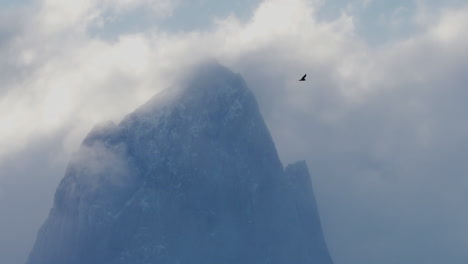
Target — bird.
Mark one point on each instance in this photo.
(303, 78)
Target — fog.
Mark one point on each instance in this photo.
(381, 123)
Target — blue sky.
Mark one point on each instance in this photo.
(381, 120)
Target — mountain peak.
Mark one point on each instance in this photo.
(192, 176)
(208, 82)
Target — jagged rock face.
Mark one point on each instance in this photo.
(191, 177)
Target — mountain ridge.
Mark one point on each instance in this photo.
(190, 178)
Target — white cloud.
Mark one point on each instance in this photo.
(82, 79)
(373, 121)
(57, 15)
(451, 27)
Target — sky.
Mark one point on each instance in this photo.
(381, 120)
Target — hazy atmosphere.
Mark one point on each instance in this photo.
(381, 119)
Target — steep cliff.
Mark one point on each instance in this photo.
(191, 177)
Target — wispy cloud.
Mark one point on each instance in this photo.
(382, 126)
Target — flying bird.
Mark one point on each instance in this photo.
(303, 78)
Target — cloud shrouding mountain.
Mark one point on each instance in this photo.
(383, 127)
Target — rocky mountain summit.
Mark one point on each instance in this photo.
(191, 177)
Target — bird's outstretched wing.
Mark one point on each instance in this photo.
(303, 78)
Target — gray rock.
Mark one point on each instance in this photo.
(191, 177)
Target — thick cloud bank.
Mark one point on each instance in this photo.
(383, 126)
